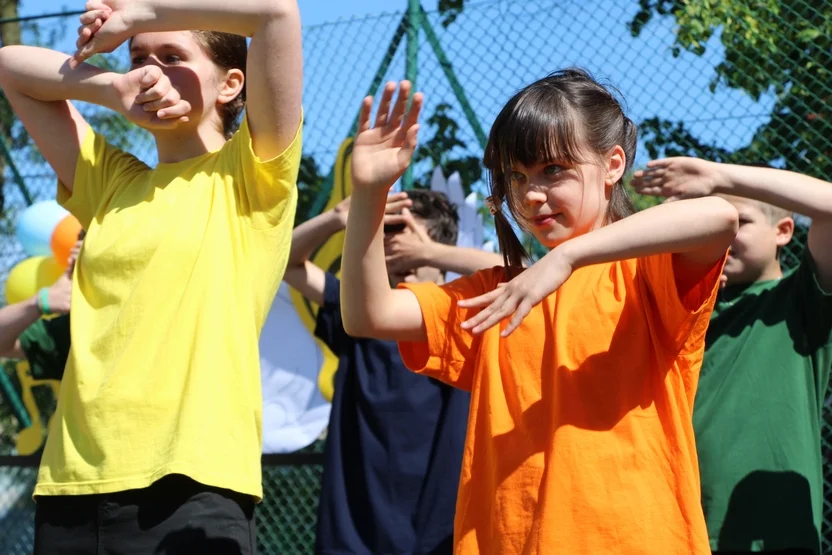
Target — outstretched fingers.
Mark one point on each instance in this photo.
(364, 114)
(384, 106)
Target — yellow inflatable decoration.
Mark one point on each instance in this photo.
(30, 439)
(328, 257)
(29, 276)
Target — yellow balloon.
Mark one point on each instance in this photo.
(29, 276)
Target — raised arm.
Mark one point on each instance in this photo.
(698, 230)
(689, 177)
(15, 318)
(275, 60)
(301, 273)
(369, 307)
(38, 83)
(407, 251)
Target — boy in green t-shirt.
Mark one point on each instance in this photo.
(758, 409)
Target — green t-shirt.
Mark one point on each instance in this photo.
(46, 346)
(758, 411)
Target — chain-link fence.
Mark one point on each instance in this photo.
(733, 80)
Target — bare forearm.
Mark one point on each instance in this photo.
(44, 75)
(240, 17)
(311, 234)
(365, 284)
(792, 191)
(461, 260)
(14, 319)
(708, 223)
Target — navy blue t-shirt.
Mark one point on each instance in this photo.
(393, 450)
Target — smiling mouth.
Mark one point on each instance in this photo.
(544, 220)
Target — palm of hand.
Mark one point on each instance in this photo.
(378, 157)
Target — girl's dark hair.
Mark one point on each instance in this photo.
(557, 118)
(228, 51)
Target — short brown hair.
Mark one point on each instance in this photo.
(438, 212)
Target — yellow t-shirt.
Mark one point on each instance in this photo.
(178, 270)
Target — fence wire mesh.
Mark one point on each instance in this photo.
(729, 80)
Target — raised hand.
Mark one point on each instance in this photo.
(678, 178)
(383, 151)
(395, 203)
(148, 99)
(407, 250)
(105, 25)
(516, 298)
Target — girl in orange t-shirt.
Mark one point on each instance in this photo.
(582, 367)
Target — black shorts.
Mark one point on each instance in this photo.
(174, 516)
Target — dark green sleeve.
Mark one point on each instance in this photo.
(46, 346)
(817, 311)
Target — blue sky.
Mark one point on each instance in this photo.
(313, 11)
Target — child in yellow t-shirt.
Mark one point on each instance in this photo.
(583, 367)
(158, 426)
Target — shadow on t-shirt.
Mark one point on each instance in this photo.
(781, 505)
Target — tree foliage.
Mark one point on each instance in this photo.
(443, 150)
(779, 47)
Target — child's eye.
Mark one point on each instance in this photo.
(172, 59)
(517, 177)
(552, 169)
(137, 60)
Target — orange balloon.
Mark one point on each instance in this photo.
(64, 238)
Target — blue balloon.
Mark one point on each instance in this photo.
(36, 224)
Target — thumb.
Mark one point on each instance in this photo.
(149, 76)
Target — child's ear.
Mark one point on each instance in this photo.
(616, 163)
(785, 231)
(231, 85)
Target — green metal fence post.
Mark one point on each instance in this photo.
(450, 75)
(414, 20)
(398, 35)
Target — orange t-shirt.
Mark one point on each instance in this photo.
(579, 435)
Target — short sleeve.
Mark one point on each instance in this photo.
(101, 169)
(449, 354)
(329, 327)
(679, 319)
(816, 303)
(266, 189)
(46, 346)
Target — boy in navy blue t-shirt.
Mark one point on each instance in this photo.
(394, 445)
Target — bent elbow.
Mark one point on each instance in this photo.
(726, 219)
(356, 325)
(280, 8)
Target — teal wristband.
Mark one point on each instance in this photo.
(43, 301)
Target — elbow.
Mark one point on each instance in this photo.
(356, 324)
(7, 54)
(280, 9)
(724, 218)
(359, 322)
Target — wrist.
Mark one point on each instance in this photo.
(570, 252)
(41, 299)
(333, 221)
(721, 175)
(429, 254)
